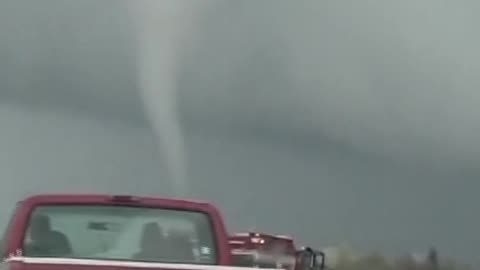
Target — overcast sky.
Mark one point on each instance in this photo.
(372, 104)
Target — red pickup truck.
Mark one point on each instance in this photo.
(107, 232)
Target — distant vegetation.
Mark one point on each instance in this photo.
(378, 262)
(345, 260)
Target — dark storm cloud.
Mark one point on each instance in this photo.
(396, 79)
(70, 54)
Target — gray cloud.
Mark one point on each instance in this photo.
(363, 103)
(396, 79)
(70, 54)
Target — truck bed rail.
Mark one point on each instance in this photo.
(92, 262)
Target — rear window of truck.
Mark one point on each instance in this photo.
(114, 232)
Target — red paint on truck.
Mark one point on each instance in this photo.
(90, 220)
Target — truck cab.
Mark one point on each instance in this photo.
(105, 232)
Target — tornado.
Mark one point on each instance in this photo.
(160, 27)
